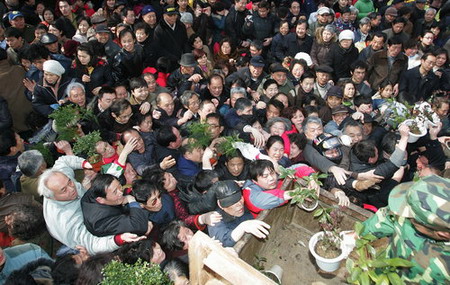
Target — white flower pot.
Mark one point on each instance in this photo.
(309, 209)
(328, 265)
(275, 273)
(415, 137)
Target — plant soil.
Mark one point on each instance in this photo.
(414, 129)
(326, 252)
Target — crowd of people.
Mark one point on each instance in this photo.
(313, 85)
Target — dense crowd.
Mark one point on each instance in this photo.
(191, 109)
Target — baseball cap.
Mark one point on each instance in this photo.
(227, 192)
(323, 10)
(170, 10)
(14, 14)
(101, 29)
(147, 9)
(339, 109)
(257, 61)
(334, 91)
(427, 201)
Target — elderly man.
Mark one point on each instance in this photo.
(252, 75)
(62, 208)
(76, 94)
(416, 221)
(17, 20)
(103, 36)
(186, 76)
(166, 112)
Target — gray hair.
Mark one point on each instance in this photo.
(364, 21)
(74, 85)
(43, 190)
(238, 90)
(311, 120)
(431, 10)
(30, 161)
(186, 96)
(285, 121)
(354, 10)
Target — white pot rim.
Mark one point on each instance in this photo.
(312, 244)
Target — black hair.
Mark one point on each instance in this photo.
(42, 27)
(169, 238)
(364, 150)
(389, 141)
(100, 183)
(7, 140)
(411, 43)
(130, 253)
(380, 35)
(143, 26)
(399, 20)
(176, 268)
(126, 31)
(87, 48)
(27, 221)
(272, 140)
(309, 109)
(104, 90)
(119, 106)
(299, 140)
(216, 116)
(242, 103)
(269, 82)
(359, 100)
(277, 104)
(137, 82)
(257, 168)
(165, 136)
(396, 40)
(65, 270)
(91, 270)
(358, 64)
(143, 189)
(307, 74)
(13, 32)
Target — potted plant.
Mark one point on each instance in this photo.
(85, 147)
(142, 272)
(66, 120)
(417, 129)
(371, 266)
(425, 111)
(326, 246)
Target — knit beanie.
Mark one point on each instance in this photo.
(54, 67)
(346, 35)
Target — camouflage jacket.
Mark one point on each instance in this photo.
(431, 258)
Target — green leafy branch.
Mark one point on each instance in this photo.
(226, 147)
(199, 135)
(66, 119)
(142, 273)
(373, 266)
(85, 145)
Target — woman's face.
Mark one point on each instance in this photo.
(277, 129)
(127, 42)
(327, 36)
(158, 254)
(307, 84)
(111, 4)
(298, 119)
(284, 29)
(198, 43)
(146, 124)
(203, 60)
(124, 116)
(441, 59)
(83, 27)
(345, 43)
(294, 151)
(50, 77)
(343, 3)
(387, 92)
(297, 70)
(271, 90)
(53, 30)
(235, 166)
(226, 48)
(276, 151)
(83, 57)
(141, 36)
(104, 149)
(427, 39)
(349, 91)
(40, 8)
(49, 17)
(141, 93)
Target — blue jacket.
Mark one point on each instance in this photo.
(222, 230)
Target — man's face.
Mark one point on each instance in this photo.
(196, 154)
(130, 18)
(150, 18)
(300, 30)
(367, 129)
(358, 75)
(14, 43)
(322, 78)
(279, 77)
(442, 111)
(355, 133)
(121, 92)
(246, 111)
(102, 37)
(185, 236)
(429, 16)
(254, 51)
(428, 63)
(313, 130)
(240, 5)
(18, 22)
(53, 47)
(263, 12)
(114, 194)
(375, 22)
(63, 188)
(377, 43)
(140, 145)
(154, 203)
(64, 8)
(140, 93)
(333, 101)
(104, 149)
(214, 127)
(206, 109)
(166, 103)
(215, 87)
(171, 19)
(170, 183)
(398, 28)
(268, 180)
(235, 210)
(235, 166)
(272, 112)
(255, 71)
(394, 50)
(106, 101)
(365, 108)
(339, 117)
(345, 43)
(77, 96)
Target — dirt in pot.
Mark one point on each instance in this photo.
(413, 128)
(324, 249)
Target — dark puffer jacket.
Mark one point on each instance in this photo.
(340, 60)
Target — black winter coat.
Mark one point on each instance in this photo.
(171, 43)
(128, 65)
(292, 45)
(340, 60)
(100, 76)
(104, 220)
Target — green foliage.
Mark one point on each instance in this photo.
(373, 266)
(301, 192)
(199, 135)
(225, 146)
(286, 172)
(330, 220)
(140, 273)
(46, 153)
(66, 119)
(259, 262)
(85, 145)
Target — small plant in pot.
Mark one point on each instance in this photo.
(326, 246)
(303, 194)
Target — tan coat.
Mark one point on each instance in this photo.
(13, 91)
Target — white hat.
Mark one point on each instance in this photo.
(187, 18)
(346, 35)
(54, 67)
(306, 57)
